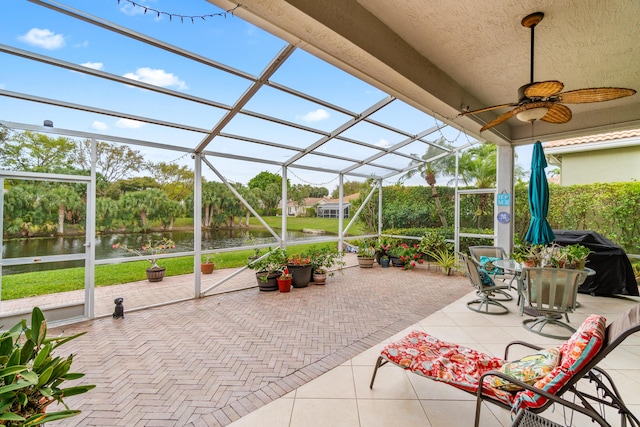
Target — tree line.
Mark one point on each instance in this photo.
(132, 193)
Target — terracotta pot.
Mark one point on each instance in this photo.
(207, 267)
(155, 274)
(319, 278)
(284, 285)
(366, 262)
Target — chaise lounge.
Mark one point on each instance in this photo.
(531, 384)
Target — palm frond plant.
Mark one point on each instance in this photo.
(445, 258)
(31, 377)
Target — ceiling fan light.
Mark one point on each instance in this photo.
(532, 114)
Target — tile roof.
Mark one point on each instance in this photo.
(610, 136)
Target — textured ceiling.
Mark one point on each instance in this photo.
(441, 55)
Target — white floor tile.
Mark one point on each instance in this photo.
(335, 384)
(324, 412)
(386, 413)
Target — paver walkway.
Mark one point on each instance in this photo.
(210, 361)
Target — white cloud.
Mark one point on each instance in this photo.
(383, 143)
(129, 124)
(157, 77)
(94, 65)
(83, 44)
(129, 9)
(314, 116)
(45, 39)
(99, 125)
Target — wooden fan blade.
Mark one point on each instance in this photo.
(515, 111)
(499, 119)
(557, 113)
(594, 94)
(543, 89)
(482, 110)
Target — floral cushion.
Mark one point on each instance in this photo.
(575, 353)
(487, 265)
(528, 369)
(439, 360)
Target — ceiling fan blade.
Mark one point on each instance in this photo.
(543, 89)
(594, 94)
(516, 111)
(499, 119)
(482, 110)
(557, 113)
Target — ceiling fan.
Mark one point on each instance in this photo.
(543, 100)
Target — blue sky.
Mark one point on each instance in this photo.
(228, 40)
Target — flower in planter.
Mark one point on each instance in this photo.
(299, 260)
(409, 255)
(285, 274)
(149, 250)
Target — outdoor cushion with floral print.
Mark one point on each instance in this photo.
(528, 369)
(575, 353)
(443, 361)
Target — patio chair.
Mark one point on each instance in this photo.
(489, 296)
(552, 293)
(487, 254)
(532, 388)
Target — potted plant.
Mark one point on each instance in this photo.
(155, 273)
(301, 269)
(406, 256)
(385, 261)
(576, 256)
(268, 268)
(284, 280)
(32, 377)
(366, 256)
(321, 261)
(530, 256)
(382, 249)
(445, 258)
(208, 265)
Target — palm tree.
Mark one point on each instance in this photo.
(430, 169)
(477, 167)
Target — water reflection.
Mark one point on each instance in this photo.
(19, 248)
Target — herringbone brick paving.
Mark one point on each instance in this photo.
(210, 361)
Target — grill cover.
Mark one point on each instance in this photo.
(614, 274)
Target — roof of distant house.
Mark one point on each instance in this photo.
(594, 142)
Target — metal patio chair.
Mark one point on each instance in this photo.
(552, 293)
(477, 252)
(489, 296)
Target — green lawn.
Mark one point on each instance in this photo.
(47, 282)
(296, 223)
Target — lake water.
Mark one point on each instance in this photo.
(33, 247)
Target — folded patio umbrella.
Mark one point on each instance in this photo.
(539, 230)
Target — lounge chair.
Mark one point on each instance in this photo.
(486, 377)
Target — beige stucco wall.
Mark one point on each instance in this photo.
(613, 165)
